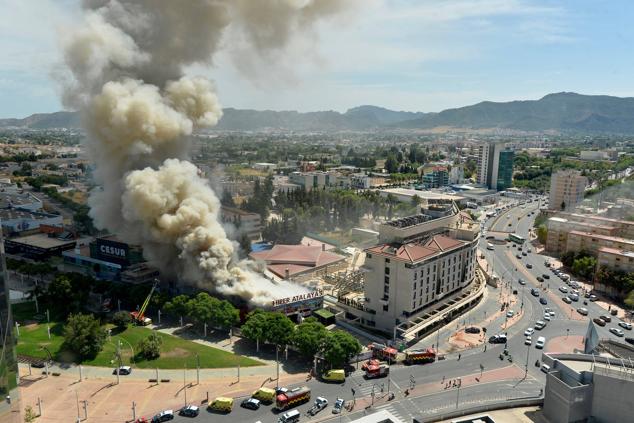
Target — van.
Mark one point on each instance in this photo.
(541, 341)
(545, 368)
(266, 395)
(334, 376)
(222, 404)
(289, 417)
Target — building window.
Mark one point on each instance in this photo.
(385, 307)
(386, 289)
(387, 260)
(368, 255)
(386, 280)
(414, 286)
(387, 270)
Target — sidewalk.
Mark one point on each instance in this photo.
(108, 402)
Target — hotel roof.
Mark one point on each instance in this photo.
(295, 258)
(416, 252)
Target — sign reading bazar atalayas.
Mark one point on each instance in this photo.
(297, 298)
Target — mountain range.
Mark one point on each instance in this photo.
(560, 112)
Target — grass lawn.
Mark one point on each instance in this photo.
(175, 352)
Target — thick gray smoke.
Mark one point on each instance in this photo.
(126, 61)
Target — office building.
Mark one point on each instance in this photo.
(495, 166)
(436, 178)
(244, 221)
(566, 189)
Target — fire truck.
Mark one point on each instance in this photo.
(138, 317)
(382, 351)
(373, 372)
(420, 356)
(292, 398)
(369, 363)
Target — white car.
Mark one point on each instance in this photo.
(528, 340)
(510, 314)
(583, 311)
(563, 289)
(547, 317)
(625, 325)
(529, 332)
(541, 341)
(616, 331)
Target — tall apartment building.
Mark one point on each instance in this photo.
(566, 189)
(495, 166)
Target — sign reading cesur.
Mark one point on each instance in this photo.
(297, 298)
(112, 251)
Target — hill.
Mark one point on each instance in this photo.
(560, 112)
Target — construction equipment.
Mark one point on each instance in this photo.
(138, 317)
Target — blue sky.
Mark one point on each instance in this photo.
(425, 55)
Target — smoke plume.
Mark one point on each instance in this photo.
(126, 62)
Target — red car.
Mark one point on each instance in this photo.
(141, 420)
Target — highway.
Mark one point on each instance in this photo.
(501, 379)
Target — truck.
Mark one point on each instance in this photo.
(373, 372)
(320, 404)
(138, 317)
(292, 398)
(370, 362)
(382, 351)
(266, 395)
(420, 356)
(334, 376)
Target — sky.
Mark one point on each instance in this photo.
(417, 55)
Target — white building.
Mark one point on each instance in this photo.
(405, 195)
(456, 174)
(566, 189)
(244, 221)
(265, 166)
(312, 180)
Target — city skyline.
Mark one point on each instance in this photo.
(427, 56)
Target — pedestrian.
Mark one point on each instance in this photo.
(443, 379)
(459, 355)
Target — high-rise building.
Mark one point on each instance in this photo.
(9, 401)
(495, 166)
(566, 189)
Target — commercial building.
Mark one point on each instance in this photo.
(436, 178)
(423, 263)
(40, 246)
(24, 201)
(495, 166)
(599, 155)
(313, 180)
(566, 189)
(15, 221)
(292, 261)
(427, 197)
(587, 231)
(585, 388)
(244, 221)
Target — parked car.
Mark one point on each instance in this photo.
(549, 311)
(519, 256)
(566, 300)
(250, 403)
(535, 292)
(541, 341)
(521, 281)
(542, 300)
(163, 416)
(320, 404)
(629, 340)
(547, 317)
(563, 289)
(529, 332)
(583, 311)
(592, 297)
(540, 279)
(574, 297)
(189, 411)
(510, 314)
(472, 329)
(524, 253)
(614, 312)
(336, 409)
(605, 317)
(529, 266)
(599, 322)
(498, 339)
(616, 331)
(625, 325)
(545, 276)
(528, 340)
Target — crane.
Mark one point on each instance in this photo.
(139, 316)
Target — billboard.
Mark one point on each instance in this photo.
(111, 251)
(302, 304)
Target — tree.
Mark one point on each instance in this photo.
(223, 314)
(568, 258)
(584, 266)
(227, 199)
(150, 347)
(83, 335)
(280, 329)
(629, 300)
(245, 243)
(309, 337)
(121, 319)
(255, 327)
(29, 414)
(391, 165)
(339, 347)
(542, 234)
(60, 294)
(178, 306)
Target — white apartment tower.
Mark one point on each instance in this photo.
(566, 189)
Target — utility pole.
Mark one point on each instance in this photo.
(85, 409)
(277, 362)
(238, 368)
(185, 384)
(77, 399)
(133, 411)
(39, 407)
(197, 370)
(528, 350)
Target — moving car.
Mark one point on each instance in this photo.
(625, 325)
(542, 300)
(498, 339)
(510, 314)
(266, 395)
(524, 253)
(521, 281)
(189, 411)
(592, 297)
(541, 341)
(338, 406)
(123, 370)
(549, 311)
(616, 331)
(472, 329)
(583, 311)
(529, 332)
(163, 416)
(250, 403)
(545, 276)
(289, 417)
(519, 256)
(606, 318)
(535, 292)
(574, 297)
(338, 375)
(529, 266)
(547, 317)
(540, 279)
(540, 324)
(528, 340)
(599, 322)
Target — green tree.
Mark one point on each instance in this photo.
(60, 295)
(568, 258)
(542, 234)
(227, 199)
(255, 327)
(629, 300)
(150, 347)
(584, 266)
(309, 337)
(223, 314)
(121, 319)
(280, 329)
(83, 335)
(178, 306)
(339, 347)
(245, 244)
(391, 164)
(29, 414)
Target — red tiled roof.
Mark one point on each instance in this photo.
(295, 258)
(416, 252)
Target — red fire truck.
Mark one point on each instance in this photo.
(370, 363)
(420, 356)
(377, 371)
(382, 351)
(292, 398)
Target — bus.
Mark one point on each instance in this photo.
(516, 239)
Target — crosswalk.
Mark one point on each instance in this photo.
(398, 413)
